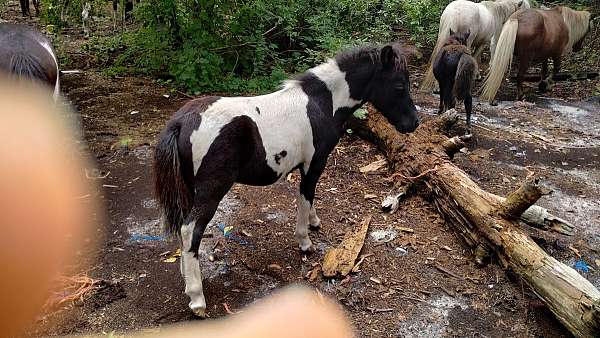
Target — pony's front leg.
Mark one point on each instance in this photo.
(314, 220)
(307, 215)
(190, 270)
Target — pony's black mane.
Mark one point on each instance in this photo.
(353, 58)
(29, 67)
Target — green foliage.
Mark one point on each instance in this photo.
(60, 13)
(249, 46)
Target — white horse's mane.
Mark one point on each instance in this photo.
(502, 9)
(578, 23)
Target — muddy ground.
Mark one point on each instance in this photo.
(398, 291)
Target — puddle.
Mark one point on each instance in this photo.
(224, 215)
(431, 320)
(278, 217)
(550, 118)
(146, 230)
(143, 153)
(150, 203)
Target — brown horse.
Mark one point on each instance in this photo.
(534, 36)
(26, 53)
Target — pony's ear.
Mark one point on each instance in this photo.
(388, 57)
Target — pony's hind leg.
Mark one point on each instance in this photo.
(206, 200)
(307, 215)
(442, 98)
(190, 270)
(468, 110)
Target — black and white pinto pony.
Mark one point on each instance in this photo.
(27, 53)
(213, 142)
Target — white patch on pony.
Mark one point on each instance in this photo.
(315, 221)
(335, 80)
(304, 209)
(48, 48)
(283, 125)
(190, 270)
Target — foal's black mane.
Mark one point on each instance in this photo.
(353, 58)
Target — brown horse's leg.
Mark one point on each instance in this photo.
(523, 66)
(555, 70)
(543, 85)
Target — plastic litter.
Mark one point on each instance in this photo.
(228, 233)
(582, 266)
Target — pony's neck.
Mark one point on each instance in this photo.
(337, 84)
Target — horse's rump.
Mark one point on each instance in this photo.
(466, 73)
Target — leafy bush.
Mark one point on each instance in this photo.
(249, 46)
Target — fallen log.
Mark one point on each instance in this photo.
(560, 77)
(487, 223)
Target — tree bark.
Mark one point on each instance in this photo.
(487, 223)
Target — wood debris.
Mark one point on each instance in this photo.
(341, 260)
(374, 166)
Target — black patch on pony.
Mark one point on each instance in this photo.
(258, 110)
(279, 156)
(236, 155)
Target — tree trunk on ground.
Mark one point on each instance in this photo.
(560, 77)
(486, 222)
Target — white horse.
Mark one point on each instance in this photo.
(482, 20)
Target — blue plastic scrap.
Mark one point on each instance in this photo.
(582, 266)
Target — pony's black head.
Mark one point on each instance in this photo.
(390, 90)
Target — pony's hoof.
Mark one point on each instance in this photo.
(311, 249)
(316, 226)
(494, 103)
(200, 313)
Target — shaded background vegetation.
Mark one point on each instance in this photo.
(250, 45)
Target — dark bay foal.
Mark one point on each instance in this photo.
(213, 142)
(455, 70)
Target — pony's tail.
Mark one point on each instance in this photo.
(466, 72)
(443, 34)
(171, 190)
(502, 59)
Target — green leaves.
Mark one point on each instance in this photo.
(248, 46)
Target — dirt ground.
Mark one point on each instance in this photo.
(398, 292)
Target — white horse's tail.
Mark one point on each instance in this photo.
(502, 59)
(443, 34)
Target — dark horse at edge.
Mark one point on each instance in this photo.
(27, 53)
(213, 142)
